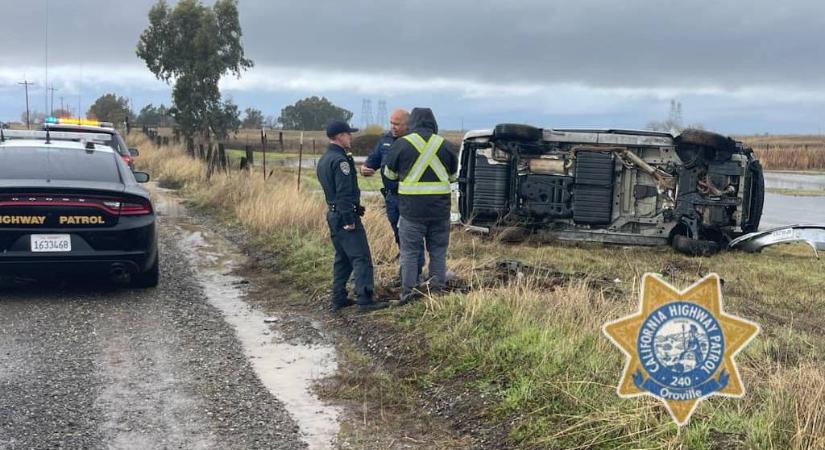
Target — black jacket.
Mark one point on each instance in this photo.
(422, 208)
(377, 159)
(336, 173)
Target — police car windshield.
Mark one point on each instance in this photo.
(49, 163)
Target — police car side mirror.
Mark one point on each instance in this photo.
(133, 152)
(141, 177)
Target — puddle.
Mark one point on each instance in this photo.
(286, 366)
(790, 210)
(782, 210)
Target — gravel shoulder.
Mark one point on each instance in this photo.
(85, 364)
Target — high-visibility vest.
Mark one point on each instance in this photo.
(427, 157)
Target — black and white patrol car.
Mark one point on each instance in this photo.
(85, 126)
(68, 204)
(696, 190)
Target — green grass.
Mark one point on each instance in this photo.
(366, 184)
(258, 156)
(533, 347)
(541, 355)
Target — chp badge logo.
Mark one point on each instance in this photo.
(345, 167)
(680, 345)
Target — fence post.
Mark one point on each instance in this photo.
(222, 156)
(263, 150)
(281, 140)
(300, 158)
(210, 161)
(250, 158)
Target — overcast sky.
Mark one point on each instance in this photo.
(738, 67)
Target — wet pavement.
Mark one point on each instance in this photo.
(783, 209)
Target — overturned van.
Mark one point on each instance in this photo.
(695, 191)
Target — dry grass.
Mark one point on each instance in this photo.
(263, 207)
(170, 166)
(533, 342)
(789, 152)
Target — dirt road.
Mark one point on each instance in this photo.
(85, 364)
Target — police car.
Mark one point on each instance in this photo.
(76, 125)
(69, 203)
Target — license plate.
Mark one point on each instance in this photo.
(51, 243)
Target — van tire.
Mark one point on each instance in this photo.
(517, 132)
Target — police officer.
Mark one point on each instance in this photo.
(377, 160)
(425, 165)
(336, 173)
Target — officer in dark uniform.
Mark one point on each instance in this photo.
(336, 173)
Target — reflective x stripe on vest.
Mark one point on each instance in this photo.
(427, 157)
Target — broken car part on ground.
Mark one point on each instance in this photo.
(813, 235)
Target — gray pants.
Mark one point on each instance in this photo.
(436, 236)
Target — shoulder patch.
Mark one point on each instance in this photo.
(345, 167)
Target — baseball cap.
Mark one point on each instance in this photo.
(339, 126)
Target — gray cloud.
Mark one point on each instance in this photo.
(632, 43)
(629, 43)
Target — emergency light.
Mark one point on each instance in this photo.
(77, 121)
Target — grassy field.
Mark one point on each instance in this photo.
(803, 152)
(789, 152)
(530, 344)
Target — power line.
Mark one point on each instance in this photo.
(26, 83)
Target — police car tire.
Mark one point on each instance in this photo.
(148, 279)
(517, 132)
(692, 136)
(694, 247)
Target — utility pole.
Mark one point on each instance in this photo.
(61, 104)
(78, 106)
(51, 100)
(26, 84)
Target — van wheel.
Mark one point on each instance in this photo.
(517, 132)
(694, 247)
(148, 279)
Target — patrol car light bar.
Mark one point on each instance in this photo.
(77, 121)
(56, 135)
